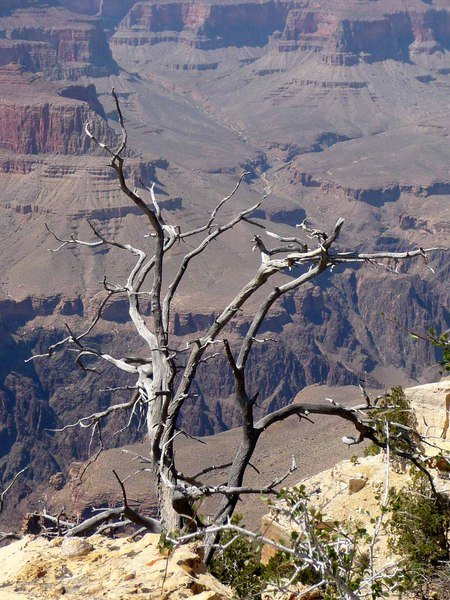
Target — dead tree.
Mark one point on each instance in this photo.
(162, 386)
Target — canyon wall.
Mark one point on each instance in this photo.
(55, 41)
(42, 128)
(33, 120)
(315, 26)
(339, 108)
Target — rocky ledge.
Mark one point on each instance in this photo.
(117, 569)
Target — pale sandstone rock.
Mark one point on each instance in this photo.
(431, 404)
(331, 492)
(117, 569)
(75, 547)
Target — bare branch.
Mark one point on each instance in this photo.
(96, 428)
(343, 257)
(123, 145)
(317, 409)
(216, 209)
(289, 240)
(93, 419)
(122, 487)
(99, 519)
(6, 490)
(209, 470)
(4, 537)
(116, 525)
(195, 252)
(70, 338)
(384, 503)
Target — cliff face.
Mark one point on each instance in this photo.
(212, 25)
(44, 118)
(73, 47)
(404, 34)
(316, 26)
(44, 127)
(52, 40)
(33, 56)
(8, 6)
(111, 11)
(34, 121)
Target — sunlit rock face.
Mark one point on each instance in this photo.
(431, 406)
(107, 569)
(339, 493)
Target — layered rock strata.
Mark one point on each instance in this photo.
(343, 35)
(56, 42)
(33, 120)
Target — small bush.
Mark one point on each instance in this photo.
(418, 524)
(336, 557)
(239, 565)
(396, 410)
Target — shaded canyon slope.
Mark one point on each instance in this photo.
(341, 108)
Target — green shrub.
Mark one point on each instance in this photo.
(418, 524)
(395, 409)
(335, 552)
(239, 565)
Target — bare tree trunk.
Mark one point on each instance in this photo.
(162, 463)
(235, 480)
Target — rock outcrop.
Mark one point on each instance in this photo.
(118, 569)
(54, 41)
(342, 34)
(431, 406)
(351, 491)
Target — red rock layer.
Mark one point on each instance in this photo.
(373, 34)
(52, 39)
(43, 127)
(34, 120)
